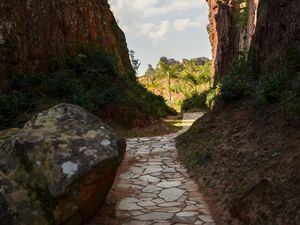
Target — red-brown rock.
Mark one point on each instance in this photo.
(34, 33)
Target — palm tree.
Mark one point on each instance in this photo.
(169, 71)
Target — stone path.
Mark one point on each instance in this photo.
(156, 187)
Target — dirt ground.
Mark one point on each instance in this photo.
(248, 162)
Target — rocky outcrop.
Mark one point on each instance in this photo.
(33, 34)
(200, 61)
(263, 28)
(58, 169)
(150, 70)
(223, 35)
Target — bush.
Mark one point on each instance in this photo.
(196, 101)
(238, 83)
(12, 104)
(271, 86)
(212, 97)
(88, 79)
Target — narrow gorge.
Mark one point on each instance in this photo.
(70, 96)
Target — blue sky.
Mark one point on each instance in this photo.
(172, 28)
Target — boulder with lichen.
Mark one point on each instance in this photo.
(58, 168)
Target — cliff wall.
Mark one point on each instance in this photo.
(34, 33)
(264, 28)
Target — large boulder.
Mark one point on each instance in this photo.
(58, 169)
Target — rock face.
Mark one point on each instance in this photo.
(34, 33)
(264, 28)
(277, 31)
(200, 61)
(58, 169)
(150, 70)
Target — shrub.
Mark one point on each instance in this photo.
(63, 84)
(212, 97)
(12, 104)
(238, 83)
(89, 79)
(196, 101)
(271, 86)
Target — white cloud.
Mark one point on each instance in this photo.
(160, 32)
(171, 6)
(151, 8)
(156, 32)
(133, 15)
(184, 24)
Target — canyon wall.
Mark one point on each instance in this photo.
(35, 32)
(264, 28)
(277, 32)
(231, 28)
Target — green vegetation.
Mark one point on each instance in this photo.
(242, 14)
(197, 101)
(134, 62)
(184, 85)
(273, 85)
(89, 79)
(171, 72)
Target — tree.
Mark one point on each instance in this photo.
(134, 62)
(169, 71)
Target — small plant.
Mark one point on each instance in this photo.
(212, 97)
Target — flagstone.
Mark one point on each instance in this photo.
(160, 191)
(169, 184)
(154, 216)
(171, 194)
(149, 178)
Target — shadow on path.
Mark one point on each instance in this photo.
(152, 186)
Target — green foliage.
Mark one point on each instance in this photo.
(12, 104)
(238, 83)
(134, 62)
(212, 96)
(187, 80)
(89, 79)
(196, 101)
(242, 13)
(170, 72)
(135, 94)
(278, 84)
(271, 86)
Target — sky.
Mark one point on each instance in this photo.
(155, 28)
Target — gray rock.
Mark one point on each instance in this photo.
(61, 165)
(171, 194)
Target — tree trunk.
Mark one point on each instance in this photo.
(170, 94)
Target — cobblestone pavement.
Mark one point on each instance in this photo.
(161, 191)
